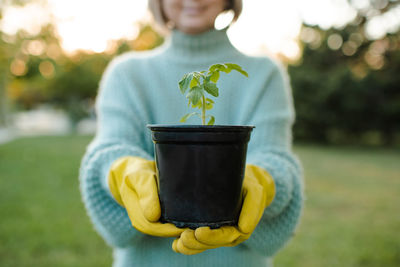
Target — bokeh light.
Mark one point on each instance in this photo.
(91, 25)
(18, 67)
(46, 68)
(271, 27)
(335, 41)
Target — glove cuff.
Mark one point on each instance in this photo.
(265, 180)
(120, 169)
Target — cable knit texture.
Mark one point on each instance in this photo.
(142, 88)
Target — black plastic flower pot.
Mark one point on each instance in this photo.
(200, 172)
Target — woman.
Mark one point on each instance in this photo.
(117, 173)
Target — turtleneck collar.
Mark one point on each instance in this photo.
(200, 47)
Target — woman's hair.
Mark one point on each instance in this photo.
(155, 7)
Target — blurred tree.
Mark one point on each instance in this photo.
(7, 52)
(5, 55)
(147, 39)
(75, 83)
(346, 88)
(2, 80)
(40, 71)
(3, 71)
(43, 73)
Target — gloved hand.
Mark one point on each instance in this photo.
(258, 193)
(132, 182)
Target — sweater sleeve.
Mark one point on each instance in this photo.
(270, 148)
(119, 133)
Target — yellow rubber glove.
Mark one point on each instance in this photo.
(132, 182)
(258, 193)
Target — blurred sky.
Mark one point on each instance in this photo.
(275, 25)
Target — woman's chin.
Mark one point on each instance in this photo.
(188, 29)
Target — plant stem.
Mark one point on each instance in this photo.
(203, 111)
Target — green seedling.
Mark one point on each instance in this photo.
(201, 82)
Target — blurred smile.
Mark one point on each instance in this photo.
(192, 10)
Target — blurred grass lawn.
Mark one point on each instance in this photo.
(352, 214)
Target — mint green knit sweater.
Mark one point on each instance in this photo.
(141, 88)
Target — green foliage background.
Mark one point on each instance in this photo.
(340, 97)
(346, 99)
(72, 85)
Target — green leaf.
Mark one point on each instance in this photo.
(196, 79)
(216, 67)
(187, 116)
(243, 72)
(193, 83)
(209, 103)
(184, 83)
(198, 105)
(203, 81)
(214, 76)
(237, 68)
(233, 66)
(195, 94)
(211, 121)
(211, 88)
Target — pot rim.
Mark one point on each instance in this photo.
(198, 128)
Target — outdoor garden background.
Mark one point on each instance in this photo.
(345, 77)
